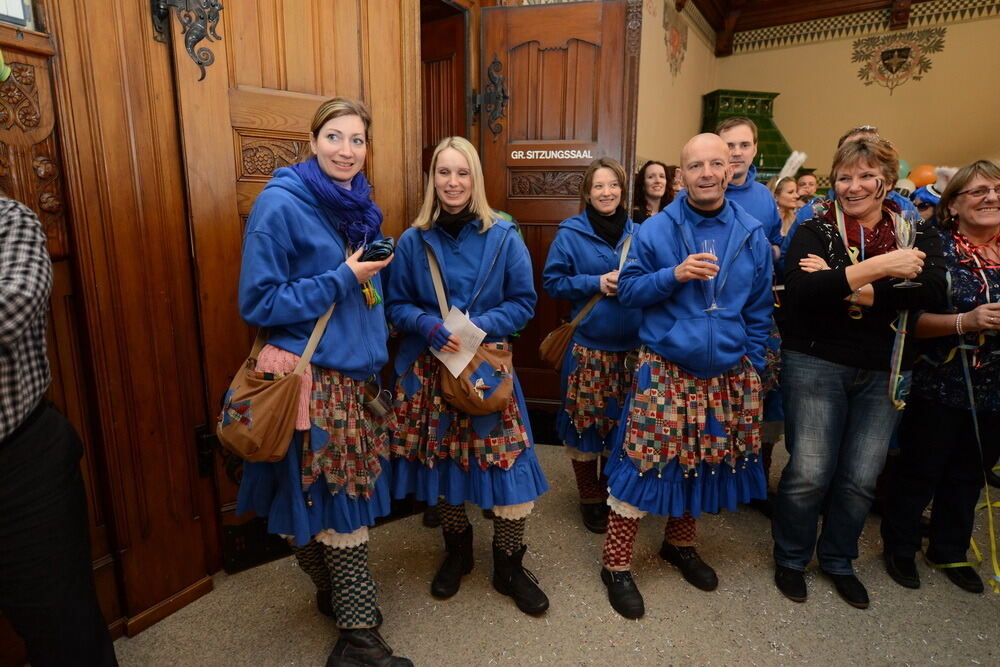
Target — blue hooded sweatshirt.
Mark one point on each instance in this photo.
(487, 275)
(758, 201)
(674, 323)
(577, 259)
(293, 269)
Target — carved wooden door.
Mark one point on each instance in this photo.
(249, 78)
(558, 93)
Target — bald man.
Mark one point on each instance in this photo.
(690, 441)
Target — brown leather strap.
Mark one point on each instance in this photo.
(597, 297)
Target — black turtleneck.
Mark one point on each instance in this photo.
(706, 213)
(608, 227)
(452, 223)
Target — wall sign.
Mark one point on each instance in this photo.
(570, 154)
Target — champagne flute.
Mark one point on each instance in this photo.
(708, 246)
(906, 236)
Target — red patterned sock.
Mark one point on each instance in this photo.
(619, 541)
(586, 481)
(681, 530)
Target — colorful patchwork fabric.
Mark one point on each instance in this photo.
(355, 439)
(599, 379)
(430, 428)
(670, 415)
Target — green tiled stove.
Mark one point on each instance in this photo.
(772, 148)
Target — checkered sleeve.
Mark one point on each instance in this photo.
(25, 270)
(25, 283)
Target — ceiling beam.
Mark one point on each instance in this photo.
(724, 37)
(899, 15)
(679, 5)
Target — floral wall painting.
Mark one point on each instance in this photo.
(675, 35)
(893, 59)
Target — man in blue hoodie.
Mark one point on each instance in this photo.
(690, 440)
(740, 135)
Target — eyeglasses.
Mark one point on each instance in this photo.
(979, 193)
(923, 205)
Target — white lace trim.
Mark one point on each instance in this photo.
(513, 512)
(622, 508)
(576, 455)
(343, 540)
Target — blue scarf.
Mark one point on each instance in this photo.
(351, 212)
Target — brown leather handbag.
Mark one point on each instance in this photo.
(552, 349)
(486, 384)
(259, 409)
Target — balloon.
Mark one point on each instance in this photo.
(923, 175)
(904, 168)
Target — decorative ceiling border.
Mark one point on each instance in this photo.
(849, 26)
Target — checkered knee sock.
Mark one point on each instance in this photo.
(453, 517)
(681, 530)
(355, 597)
(619, 541)
(508, 534)
(587, 483)
(311, 561)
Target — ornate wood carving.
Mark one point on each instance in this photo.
(633, 27)
(29, 159)
(546, 184)
(19, 99)
(260, 156)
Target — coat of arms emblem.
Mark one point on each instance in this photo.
(892, 60)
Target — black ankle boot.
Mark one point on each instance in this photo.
(363, 646)
(511, 579)
(458, 562)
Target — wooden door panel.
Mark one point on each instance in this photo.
(442, 55)
(564, 68)
(275, 64)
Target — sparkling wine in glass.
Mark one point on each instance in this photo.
(708, 246)
(906, 236)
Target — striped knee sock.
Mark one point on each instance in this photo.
(355, 597)
(681, 530)
(619, 541)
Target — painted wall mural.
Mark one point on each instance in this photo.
(893, 59)
(675, 35)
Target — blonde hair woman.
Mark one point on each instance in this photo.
(444, 456)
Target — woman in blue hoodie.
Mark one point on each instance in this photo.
(301, 253)
(445, 456)
(582, 266)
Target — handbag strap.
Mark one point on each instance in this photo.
(317, 333)
(597, 297)
(438, 284)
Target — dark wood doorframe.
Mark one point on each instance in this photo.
(445, 73)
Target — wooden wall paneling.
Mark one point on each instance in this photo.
(126, 190)
(302, 52)
(31, 171)
(392, 83)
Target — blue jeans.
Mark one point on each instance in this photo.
(838, 423)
